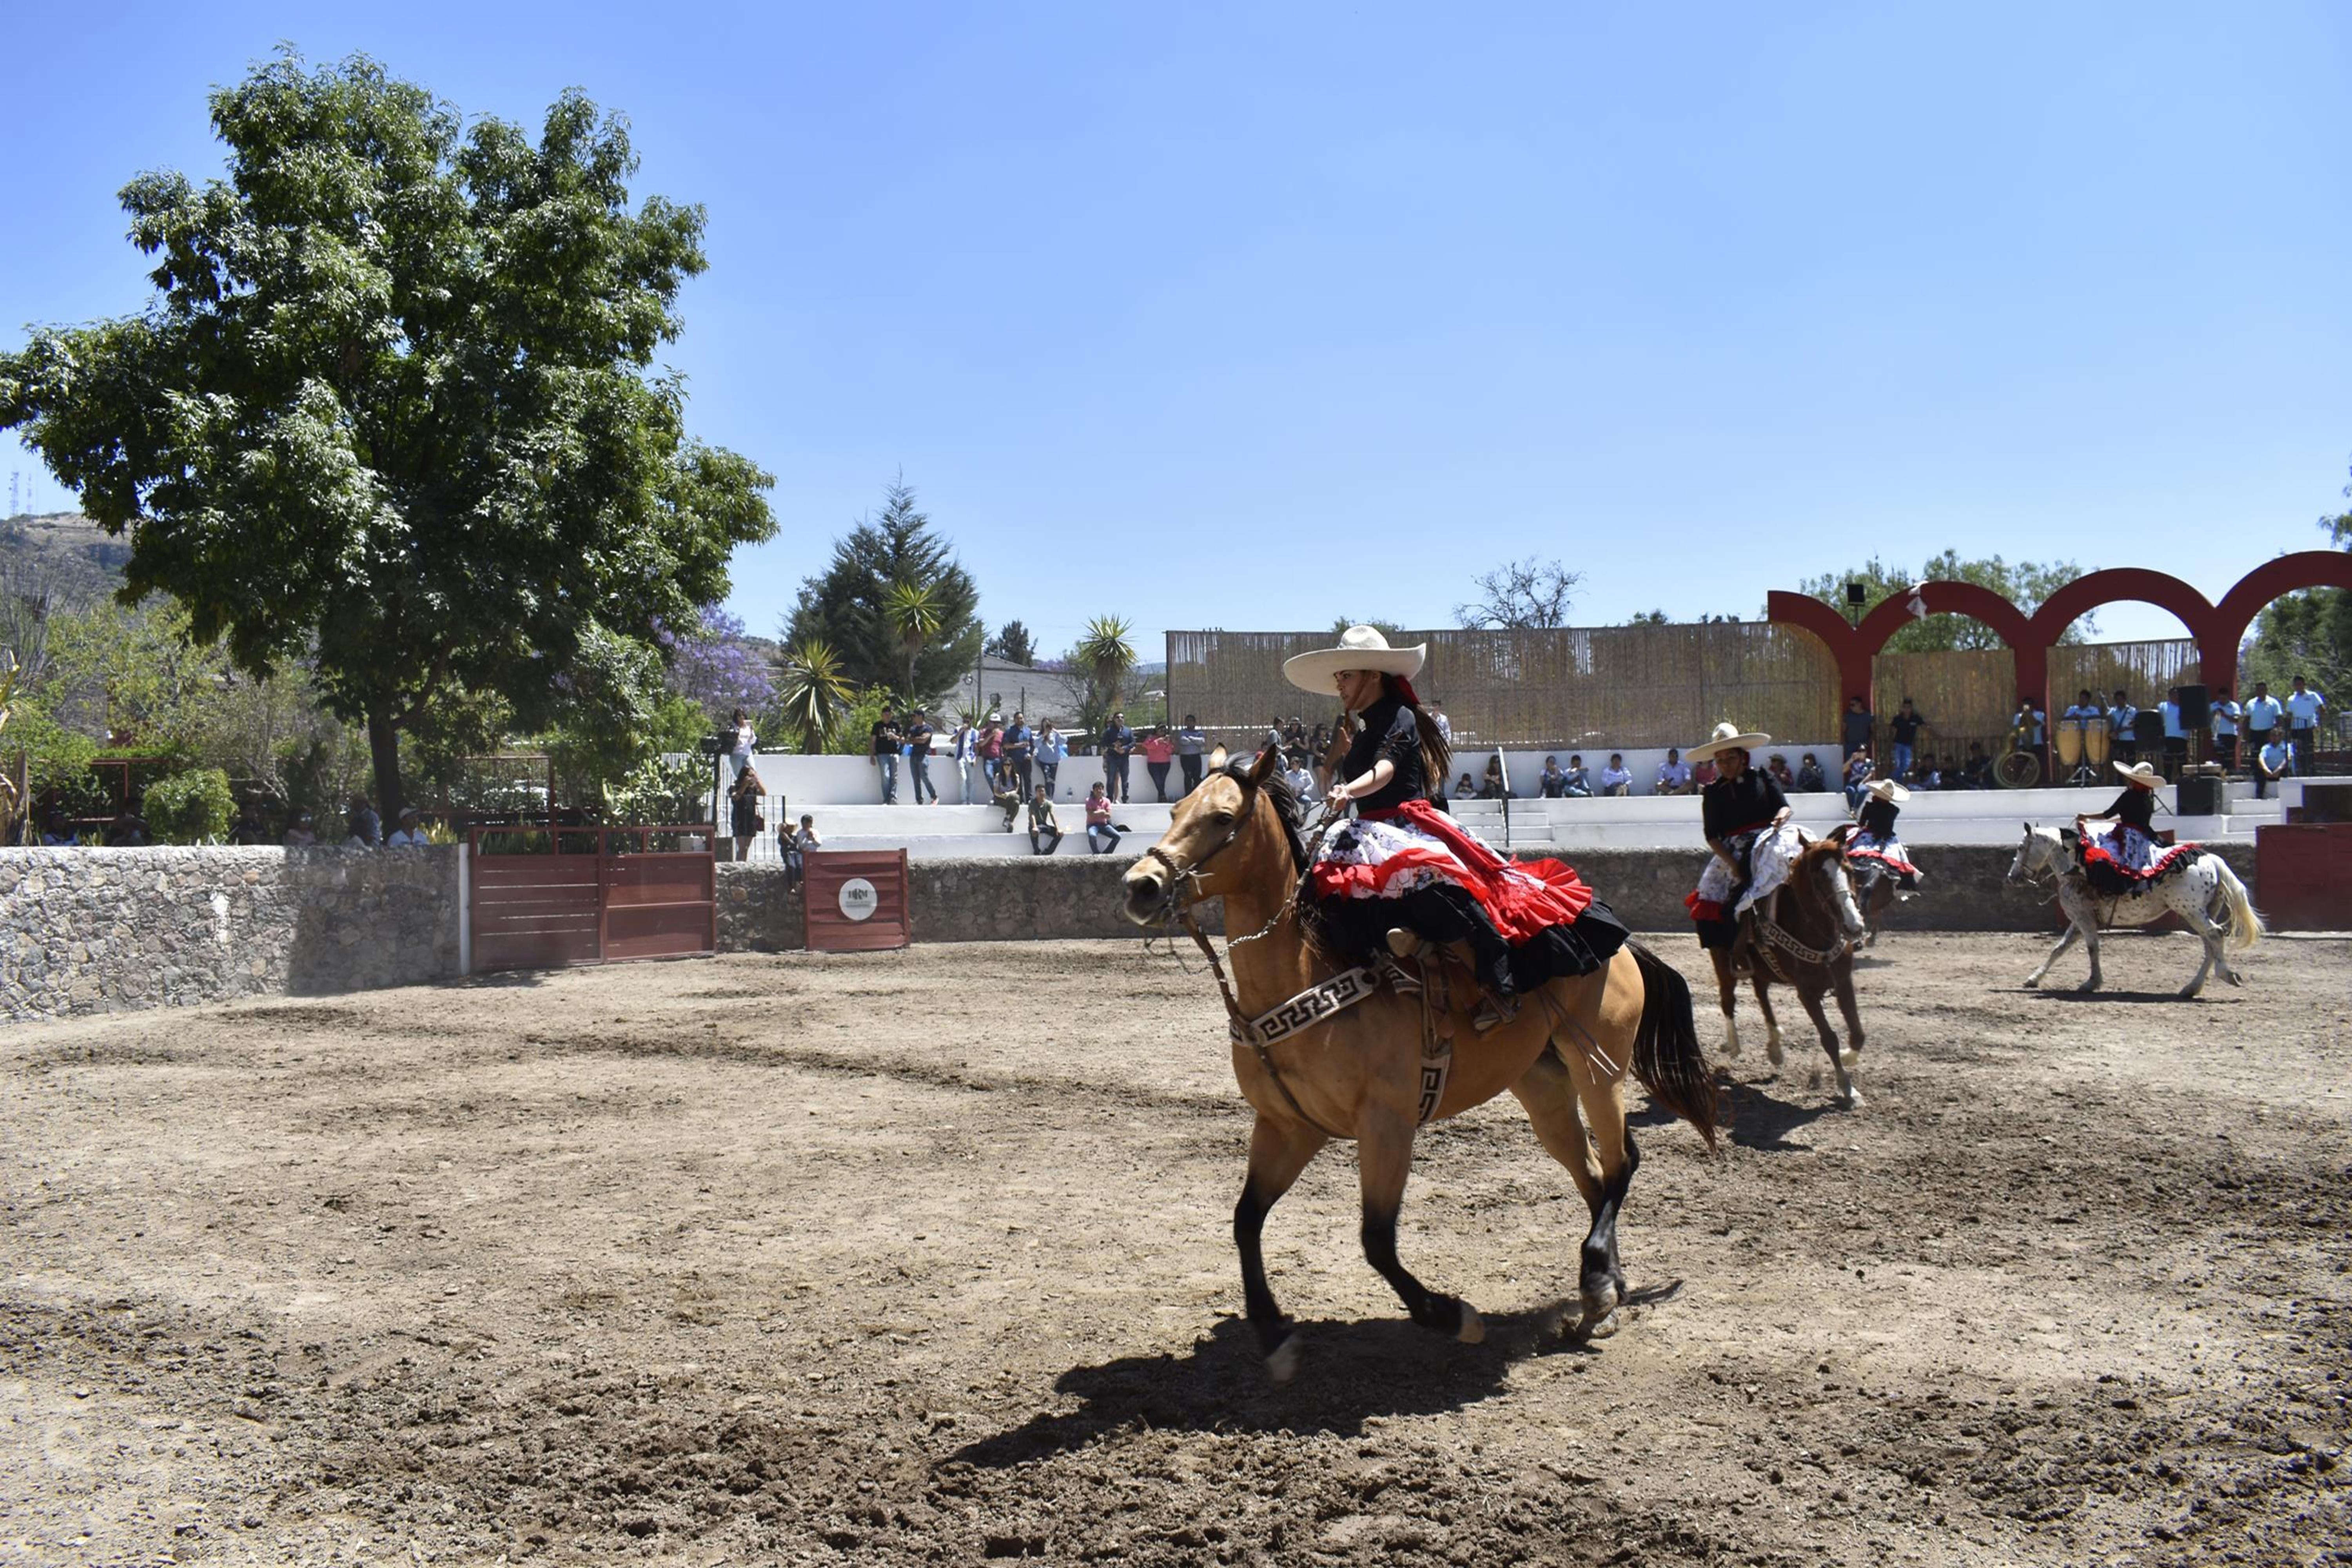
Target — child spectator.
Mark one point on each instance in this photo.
(1044, 832)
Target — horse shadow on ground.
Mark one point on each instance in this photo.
(2068, 993)
(1754, 1119)
(1349, 1373)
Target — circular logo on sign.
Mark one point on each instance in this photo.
(857, 901)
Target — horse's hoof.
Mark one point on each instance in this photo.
(1730, 1043)
(1852, 1097)
(2234, 978)
(1474, 1327)
(2188, 993)
(1591, 1328)
(1850, 1059)
(1282, 1364)
(2034, 983)
(1773, 1052)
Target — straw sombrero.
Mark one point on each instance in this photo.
(1728, 736)
(2139, 775)
(1889, 791)
(1361, 647)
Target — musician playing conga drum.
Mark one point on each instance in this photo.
(2076, 727)
(1746, 819)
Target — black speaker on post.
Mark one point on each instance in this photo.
(2196, 707)
(2199, 795)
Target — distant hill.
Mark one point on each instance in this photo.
(65, 552)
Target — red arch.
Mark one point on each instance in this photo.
(2271, 579)
(1808, 613)
(2092, 589)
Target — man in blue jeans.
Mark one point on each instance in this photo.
(1118, 745)
(919, 755)
(887, 742)
(1904, 730)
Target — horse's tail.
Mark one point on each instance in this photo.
(1666, 1055)
(2245, 925)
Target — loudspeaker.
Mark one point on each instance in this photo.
(2199, 796)
(2196, 707)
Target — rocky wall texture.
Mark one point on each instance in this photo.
(105, 930)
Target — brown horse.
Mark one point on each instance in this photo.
(1817, 923)
(1358, 1073)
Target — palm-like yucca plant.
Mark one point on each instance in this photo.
(814, 692)
(912, 609)
(1106, 656)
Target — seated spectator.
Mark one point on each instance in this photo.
(410, 834)
(1779, 769)
(1551, 784)
(1301, 780)
(248, 829)
(1923, 775)
(1858, 769)
(1809, 776)
(793, 845)
(1975, 772)
(2271, 762)
(1491, 787)
(128, 830)
(1578, 785)
(56, 833)
(1703, 774)
(366, 828)
(1615, 779)
(303, 833)
(1949, 772)
(1007, 796)
(1674, 773)
(1044, 832)
(1465, 788)
(1102, 836)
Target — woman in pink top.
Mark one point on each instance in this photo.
(1159, 750)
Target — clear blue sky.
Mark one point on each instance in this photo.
(1254, 316)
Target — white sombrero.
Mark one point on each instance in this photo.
(1728, 736)
(1361, 647)
(2140, 775)
(1889, 791)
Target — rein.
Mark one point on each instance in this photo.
(1775, 937)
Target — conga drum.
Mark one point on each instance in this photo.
(2070, 743)
(2095, 742)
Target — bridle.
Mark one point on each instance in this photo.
(1777, 938)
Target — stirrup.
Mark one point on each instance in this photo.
(1403, 942)
(1401, 981)
(1494, 1012)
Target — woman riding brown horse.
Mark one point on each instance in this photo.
(1322, 1052)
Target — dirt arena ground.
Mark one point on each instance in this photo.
(926, 1257)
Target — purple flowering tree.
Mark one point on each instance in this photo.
(717, 665)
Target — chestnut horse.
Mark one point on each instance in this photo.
(1819, 923)
(1357, 1073)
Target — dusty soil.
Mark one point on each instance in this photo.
(925, 1256)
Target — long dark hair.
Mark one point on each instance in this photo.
(1437, 756)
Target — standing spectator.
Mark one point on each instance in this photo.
(1444, 725)
(1190, 746)
(1778, 767)
(1616, 779)
(992, 754)
(2122, 729)
(1159, 750)
(742, 740)
(1551, 784)
(1044, 832)
(1118, 745)
(304, 833)
(2226, 713)
(744, 820)
(795, 847)
(1858, 769)
(1809, 776)
(1052, 750)
(1674, 773)
(2264, 715)
(364, 827)
(1020, 752)
(884, 747)
(1859, 722)
(247, 828)
(1903, 730)
(410, 834)
(1576, 786)
(1101, 836)
(1318, 741)
(2303, 708)
(2271, 762)
(918, 734)
(1294, 737)
(1007, 798)
(2176, 738)
(1272, 739)
(967, 761)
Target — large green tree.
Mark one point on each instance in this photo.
(392, 408)
(2024, 583)
(849, 608)
(2307, 634)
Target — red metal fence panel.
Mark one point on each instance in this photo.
(856, 901)
(603, 897)
(2303, 875)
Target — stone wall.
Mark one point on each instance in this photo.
(105, 930)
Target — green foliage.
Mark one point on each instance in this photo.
(1104, 656)
(600, 748)
(1013, 644)
(814, 695)
(853, 732)
(849, 608)
(193, 807)
(911, 610)
(661, 792)
(2024, 584)
(2307, 634)
(392, 410)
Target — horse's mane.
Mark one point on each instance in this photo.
(1286, 804)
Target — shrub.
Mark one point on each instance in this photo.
(189, 807)
(661, 792)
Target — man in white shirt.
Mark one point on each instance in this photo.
(410, 834)
(1674, 773)
(1616, 778)
(2225, 728)
(2264, 717)
(1444, 725)
(2270, 763)
(2302, 706)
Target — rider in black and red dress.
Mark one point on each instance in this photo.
(2119, 852)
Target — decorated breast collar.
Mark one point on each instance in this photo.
(1310, 1006)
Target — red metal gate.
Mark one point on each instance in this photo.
(856, 901)
(542, 897)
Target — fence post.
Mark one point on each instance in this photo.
(465, 908)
